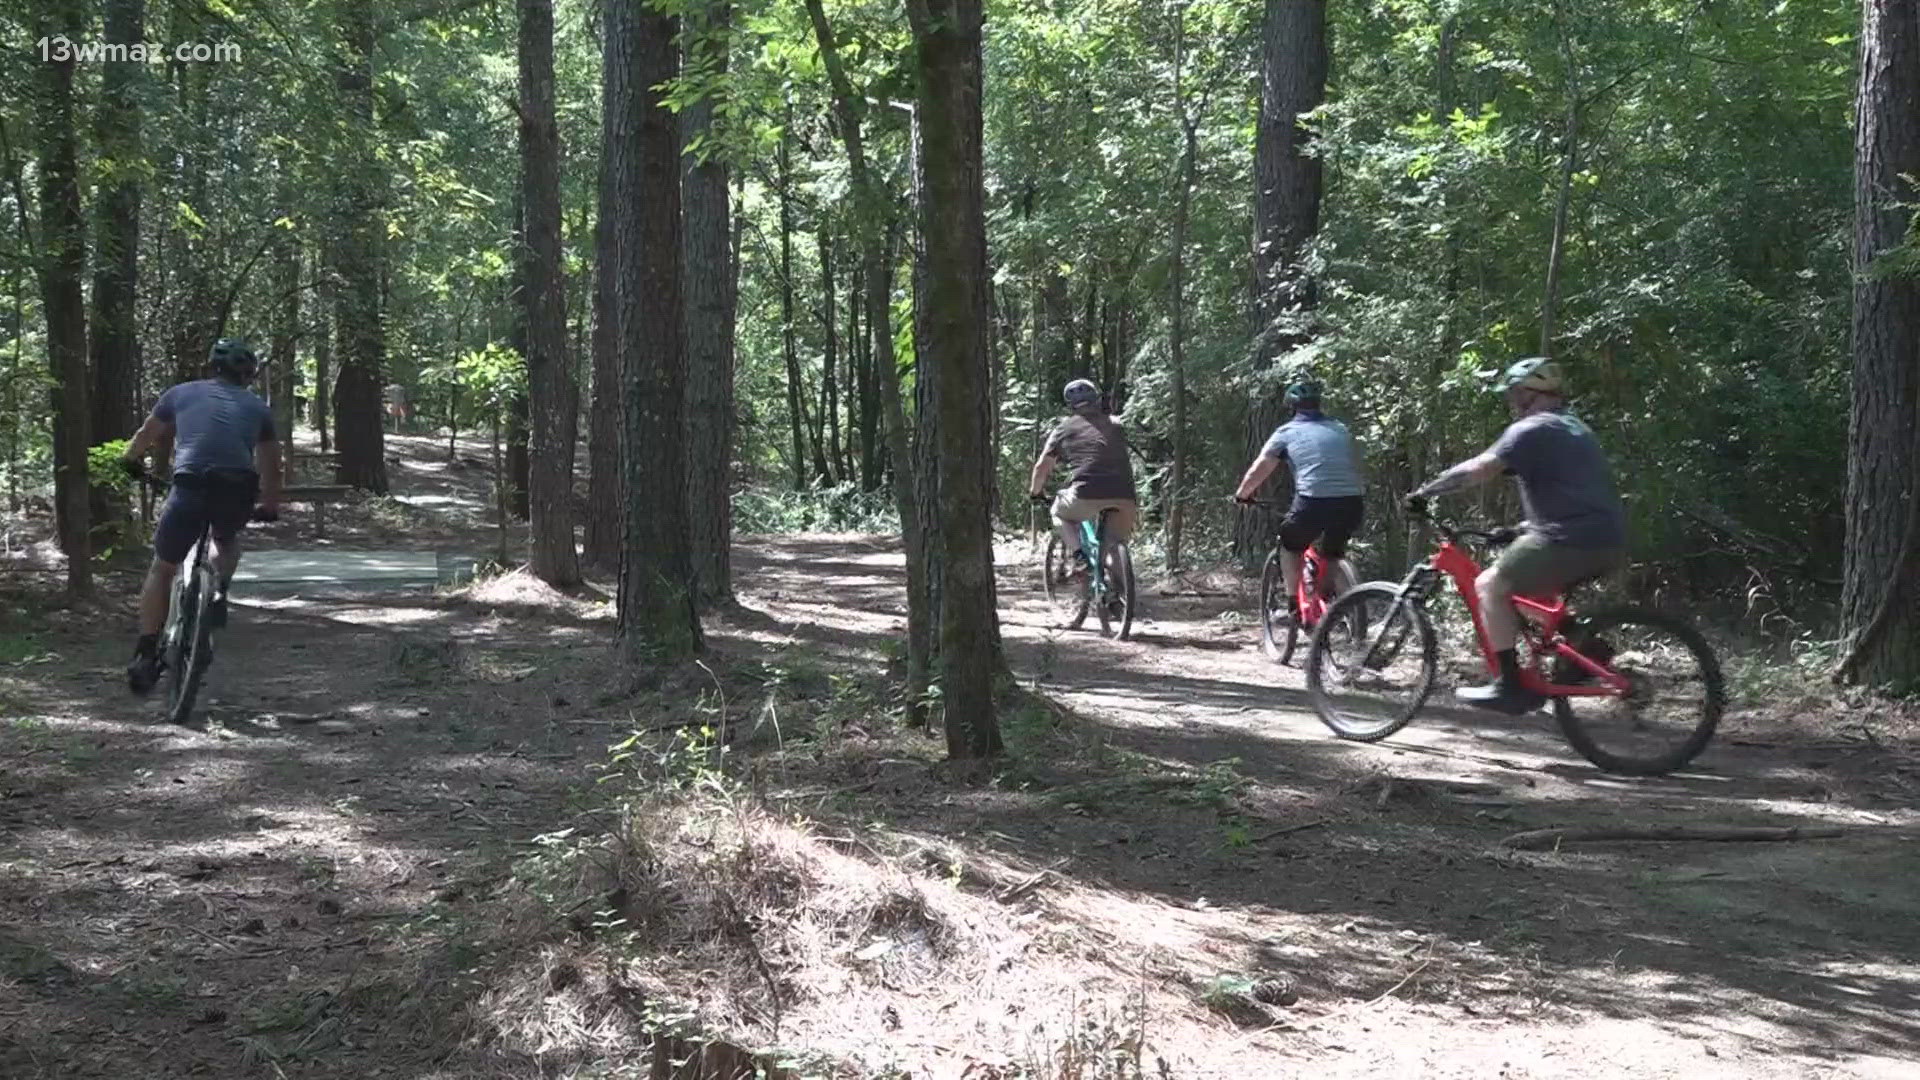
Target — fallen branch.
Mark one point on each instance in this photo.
(1547, 839)
(1300, 827)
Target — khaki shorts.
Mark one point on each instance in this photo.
(1534, 565)
(1069, 510)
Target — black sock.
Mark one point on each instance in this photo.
(148, 645)
(1509, 666)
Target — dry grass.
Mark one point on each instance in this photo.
(707, 913)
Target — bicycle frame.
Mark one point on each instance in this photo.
(1314, 568)
(1543, 615)
(1090, 543)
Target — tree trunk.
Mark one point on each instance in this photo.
(321, 411)
(830, 360)
(924, 467)
(62, 270)
(947, 39)
(1881, 598)
(606, 511)
(1177, 330)
(360, 436)
(657, 617)
(283, 371)
(543, 300)
(1286, 212)
(116, 385)
(878, 221)
(1563, 196)
(796, 394)
(710, 315)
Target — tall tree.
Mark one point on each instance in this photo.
(283, 371)
(656, 609)
(63, 265)
(711, 297)
(1286, 214)
(549, 368)
(605, 474)
(876, 222)
(953, 220)
(1881, 598)
(359, 432)
(122, 168)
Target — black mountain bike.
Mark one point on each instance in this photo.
(186, 642)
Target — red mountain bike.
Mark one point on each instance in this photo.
(1283, 624)
(1635, 691)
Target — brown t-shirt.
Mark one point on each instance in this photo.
(1095, 448)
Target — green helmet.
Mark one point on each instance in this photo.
(1531, 373)
(1302, 390)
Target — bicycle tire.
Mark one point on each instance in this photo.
(1608, 622)
(1351, 606)
(191, 649)
(1056, 598)
(1120, 583)
(1273, 587)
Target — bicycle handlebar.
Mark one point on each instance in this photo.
(1421, 507)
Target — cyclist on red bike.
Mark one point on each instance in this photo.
(1095, 448)
(1576, 526)
(1327, 489)
(226, 456)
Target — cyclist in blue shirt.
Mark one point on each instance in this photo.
(1327, 489)
(226, 457)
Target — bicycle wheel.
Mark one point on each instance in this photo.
(1279, 631)
(190, 648)
(1668, 716)
(1370, 663)
(1116, 604)
(1067, 598)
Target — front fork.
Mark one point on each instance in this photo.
(1414, 590)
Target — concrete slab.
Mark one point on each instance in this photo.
(335, 567)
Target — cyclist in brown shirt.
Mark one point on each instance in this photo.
(1094, 446)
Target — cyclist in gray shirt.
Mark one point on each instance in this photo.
(1327, 503)
(226, 458)
(1576, 526)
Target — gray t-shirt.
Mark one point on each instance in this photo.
(1565, 483)
(215, 425)
(1326, 464)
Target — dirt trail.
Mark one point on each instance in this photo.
(306, 887)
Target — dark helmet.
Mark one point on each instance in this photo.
(1532, 373)
(1303, 391)
(1081, 395)
(232, 359)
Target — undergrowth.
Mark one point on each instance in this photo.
(842, 508)
(720, 910)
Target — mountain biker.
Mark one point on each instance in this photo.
(1327, 489)
(1576, 526)
(226, 455)
(1095, 448)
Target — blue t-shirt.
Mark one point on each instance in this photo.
(1326, 464)
(215, 425)
(1566, 485)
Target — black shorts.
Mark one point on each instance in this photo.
(221, 500)
(1331, 521)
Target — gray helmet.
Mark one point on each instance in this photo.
(1081, 395)
(231, 358)
(1303, 390)
(1532, 373)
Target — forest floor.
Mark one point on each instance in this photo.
(340, 874)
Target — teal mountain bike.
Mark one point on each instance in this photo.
(1110, 594)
